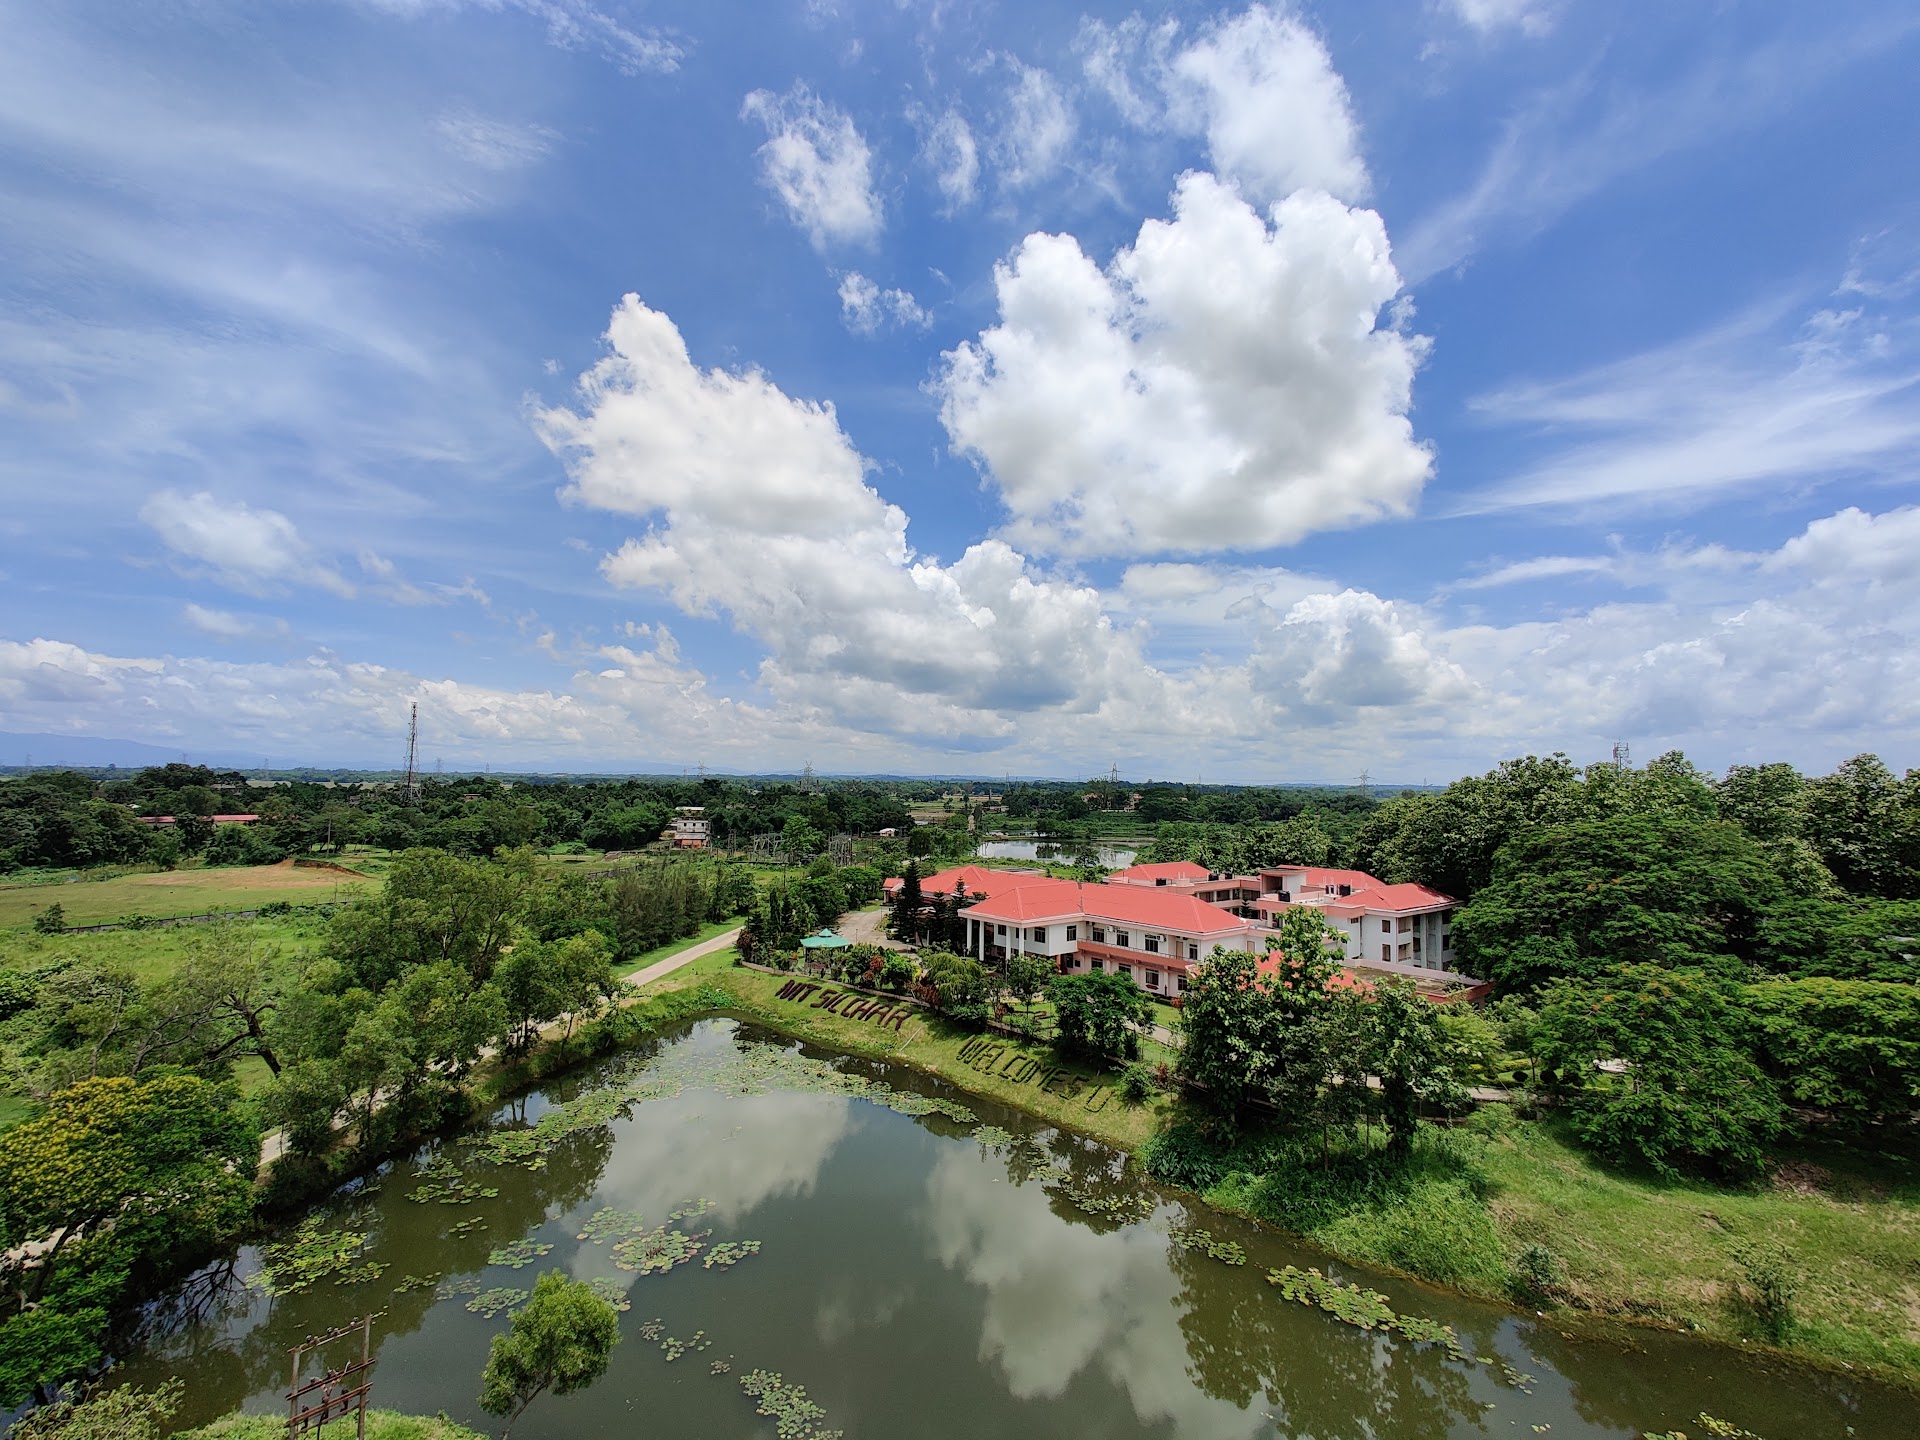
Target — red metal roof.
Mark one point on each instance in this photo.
(1153, 874)
(1140, 905)
(1367, 890)
(1405, 897)
(978, 879)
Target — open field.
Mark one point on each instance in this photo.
(165, 893)
(152, 953)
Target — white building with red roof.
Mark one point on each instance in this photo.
(1154, 923)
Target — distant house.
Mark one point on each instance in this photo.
(691, 828)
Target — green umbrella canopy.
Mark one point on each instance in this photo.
(825, 940)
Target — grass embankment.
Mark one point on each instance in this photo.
(381, 1425)
(1472, 1199)
(929, 1043)
(1668, 1252)
(163, 894)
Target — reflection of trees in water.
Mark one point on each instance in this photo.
(1648, 1381)
(187, 1333)
(1248, 1346)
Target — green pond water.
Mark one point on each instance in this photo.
(918, 1262)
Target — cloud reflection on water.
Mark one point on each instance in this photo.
(1061, 1298)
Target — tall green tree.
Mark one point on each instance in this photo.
(1865, 824)
(562, 1340)
(1095, 1015)
(905, 922)
(1848, 1047)
(1577, 900)
(114, 1177)
(1681, 1090)
(1412, 1055)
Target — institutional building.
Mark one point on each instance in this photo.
(1153, 923)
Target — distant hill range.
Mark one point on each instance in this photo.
(91, 751)
(94, 752)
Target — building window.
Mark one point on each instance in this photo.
(999, 929)
(1121, 939)
(1039, 934)
(1153, 944)
(1386, 952)
(1446, 940)
(1126, 970)
(1193, 953)
(1073, 932)
(1099, 935)
(1153, 979)
(1180, 983)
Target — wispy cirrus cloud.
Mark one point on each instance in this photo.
(1739, 406)
(1571, 140)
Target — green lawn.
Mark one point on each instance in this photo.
(178, 892)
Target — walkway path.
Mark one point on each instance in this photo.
(686, 957)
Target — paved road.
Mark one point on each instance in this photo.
(869, 927)
(685, 957)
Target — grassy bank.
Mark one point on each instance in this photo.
(1475, 1198)
(929, 1043)
(381, 1425)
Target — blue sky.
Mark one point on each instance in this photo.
(1237, 394)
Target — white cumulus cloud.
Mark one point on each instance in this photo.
(819, 165)
(760, 509)
(1259, 86)
(1275, 112)
(1224, 384)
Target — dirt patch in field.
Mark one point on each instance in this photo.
(284, 876)
(1801, 1177)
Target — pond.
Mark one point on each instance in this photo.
(1112, 856)
(894, 1258)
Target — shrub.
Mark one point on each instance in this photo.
(1185, 1156)
(52, 920)
(898, 972)
(1136, 1084)
(1773, 1283)
(1538, 1275)
(274, 908)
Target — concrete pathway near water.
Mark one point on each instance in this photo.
(686, 957)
